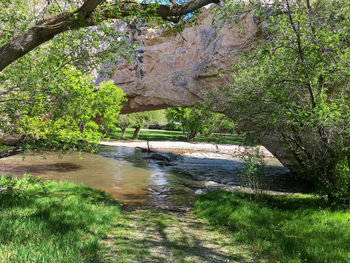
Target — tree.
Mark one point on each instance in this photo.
(139, 119)
(124, 121)
(197, 119)
(294, 85)
(65, 120)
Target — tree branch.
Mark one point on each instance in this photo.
(83, 17)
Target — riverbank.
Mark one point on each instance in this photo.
(290, 228)
(63, 222)
(45, 221)
(191, 147)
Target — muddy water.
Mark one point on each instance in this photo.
(134, 178)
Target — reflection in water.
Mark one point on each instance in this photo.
(132, 177)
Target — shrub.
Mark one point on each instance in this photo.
(253, 173)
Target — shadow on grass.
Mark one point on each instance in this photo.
(281, 228)
(54, 221)
(154, 236)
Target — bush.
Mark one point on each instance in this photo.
(253, 173)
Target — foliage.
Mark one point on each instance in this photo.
(62, 115)
(47, 96)
(51, 222)
(197, 119)
(17, 187)
(139, 120)
(253, 173)
(288, 228)
(294, 84)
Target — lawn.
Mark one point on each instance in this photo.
(53, 222)
(291, 228)
(166, 135)
(64, 222)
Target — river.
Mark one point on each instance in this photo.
(134, 178)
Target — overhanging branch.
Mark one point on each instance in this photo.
(83, 17)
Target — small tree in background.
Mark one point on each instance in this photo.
(124, 121)
(198, 119)
(139, 120)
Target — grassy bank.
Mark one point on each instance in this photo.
(291, 228)
(53, 222)
(165, 135)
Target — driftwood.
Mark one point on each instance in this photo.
(143, 149)
(10, 152)
(159, 157)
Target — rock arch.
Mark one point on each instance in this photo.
(172, 69)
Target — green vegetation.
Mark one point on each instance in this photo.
(290, 228)
(253, 174)
(165, 135)
(199, 120)
(52, 222)
(293, 85)
(138, 120)
(4, 147)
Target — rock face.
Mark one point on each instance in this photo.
(172, 69)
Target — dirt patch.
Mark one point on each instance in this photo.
(154, 235)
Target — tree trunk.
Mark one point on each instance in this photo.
(191, 135)
(136, 133)
(123, 132)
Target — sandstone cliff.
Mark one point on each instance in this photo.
(172, 69)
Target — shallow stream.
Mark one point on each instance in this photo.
(135, 178)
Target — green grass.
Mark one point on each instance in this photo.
(292, 228)
(165, 135)
(54, 222)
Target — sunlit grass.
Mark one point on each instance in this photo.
(292, 228)
(166, 135)
(54, 222)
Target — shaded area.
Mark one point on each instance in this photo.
(40, 169)
(51, 221)
(163, 236)
(281, 228)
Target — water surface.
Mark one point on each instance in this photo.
(133, 178)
